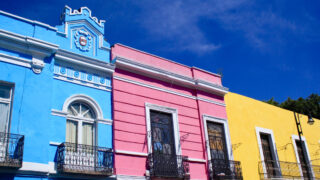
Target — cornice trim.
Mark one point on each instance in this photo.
(167, 91)
(28, 20)
(158, 73)
(26, 44)
(84, 61)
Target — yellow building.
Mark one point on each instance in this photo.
(265, 140)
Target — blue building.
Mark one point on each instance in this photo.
(55, 98)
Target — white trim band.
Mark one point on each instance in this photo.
(131, 153)
(167, 91)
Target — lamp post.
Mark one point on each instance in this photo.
(299, 128)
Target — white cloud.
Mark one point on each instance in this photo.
(177, 22)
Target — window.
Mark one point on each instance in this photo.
(164, 159)
(304, 162)
(217, 142)
(268, 153)
(217, 138)
(162, 125)
(5, 106)
(162, 133)
(221, 164)
(80, 124)
(303, 157)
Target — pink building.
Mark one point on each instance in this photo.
(164, 113)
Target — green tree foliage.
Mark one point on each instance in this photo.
(304, 106)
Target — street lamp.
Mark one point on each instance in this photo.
(299, 128)
(310, 120)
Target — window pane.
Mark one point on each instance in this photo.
(5, 92)
(4, 116)
(72, 129)
(87, 133)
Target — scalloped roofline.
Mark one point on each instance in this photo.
(76, 12)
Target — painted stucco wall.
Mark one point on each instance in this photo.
(245, 114)
(35, 96)
(130, 113)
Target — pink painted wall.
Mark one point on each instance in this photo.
(162, 63)
(130, 119)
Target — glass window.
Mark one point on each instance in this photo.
(5, 91)
(5, 107)
(80, 126)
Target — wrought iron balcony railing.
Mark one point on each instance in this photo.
(225, 169)
(84, 159)
(11, 150)
(287, 170)
(168, 166)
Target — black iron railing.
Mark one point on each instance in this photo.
(286, 170)
(84, 159)
(225, 169)
(11, 150)
(168, 166)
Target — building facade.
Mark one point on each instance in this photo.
(266, 140)
(55, 98)
(170, 120)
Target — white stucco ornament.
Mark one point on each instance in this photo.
(83, 40)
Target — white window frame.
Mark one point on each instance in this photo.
(95, 108)
(294, 138)
(274, 147)
(175, 123)
(9, 102)
(224, 122)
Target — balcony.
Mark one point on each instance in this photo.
(225, 169)
(288, 170)
(168, 166)
(84, 159)
(11, 150)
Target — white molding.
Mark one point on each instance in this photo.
(294, 138)
(34, 167)
(224, 122)
(167, 91)
(171, 77)
(197, 160)
(153, 87)
(28, 20)
(76, 81)
(105, 121)
(26, 44)
(84, 98)
(56, 112)
(52, 168)
(175, 122)
(131, 153)
(211, 101)
(77, 12)
(55, 143)
(85, 61)
(128, 177)
(15, 60)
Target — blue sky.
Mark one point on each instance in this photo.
(263, 48)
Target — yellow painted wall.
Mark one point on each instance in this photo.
(244, 114)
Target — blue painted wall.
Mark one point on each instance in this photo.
(36, 95)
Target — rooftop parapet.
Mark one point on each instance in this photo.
(84, 13)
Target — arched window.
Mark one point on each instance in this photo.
(80, 124)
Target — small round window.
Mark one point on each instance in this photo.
(81, 110)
